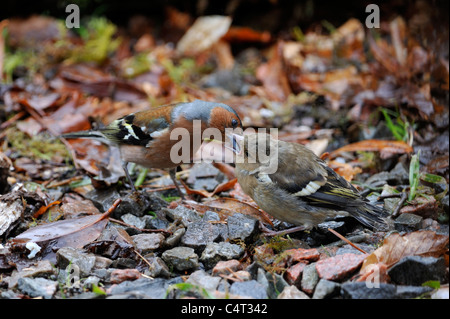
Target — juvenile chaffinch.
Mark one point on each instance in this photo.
(292, 184)
(145, 137)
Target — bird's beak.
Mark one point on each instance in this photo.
(236, 142)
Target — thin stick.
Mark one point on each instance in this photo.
(346, 240)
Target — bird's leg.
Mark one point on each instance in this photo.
(173, 176)
(125, 168)
(268, 232)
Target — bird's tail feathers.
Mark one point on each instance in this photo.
(372, 216)
(95, 135)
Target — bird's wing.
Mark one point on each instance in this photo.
(133, 130)
(316, 183)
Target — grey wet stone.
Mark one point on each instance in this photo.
(182, 213)
(292, 292)
(181, 258)
(43, 268)
(199, 234)
(202, 279)
(37, 287)
(359, 290)
(310, 278)
(408, 222)
(133, 220)
(77, 259)
(143, 288)
(175, 238)
(215, 252)
(153, 222)
(415, 270)
(103, 198)
(242, 227)
(276, 284)
(326, 289)
(157, 267)
(251, 288)
(148, 242)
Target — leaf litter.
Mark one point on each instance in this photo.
(346, 80)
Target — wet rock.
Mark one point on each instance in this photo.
(37, 287)
(408, 222)
(202, 279)
(90, 281)
(338, 226)
(291, 292)
(293, 274)
(242, 227)
(276, 284)
(43, 268)
(103, 198)
(76, 258)
(181, 258)
(359, 290)
(199, 234)
(148, 242)
(135, 203)
(124, 263)
(215, 252)
(339, 267)
(415, 270)
(153, 222)
(409, 292)
(175, 238)
(157, 267)
(326, 289)
(102, 262)
(397, 176)
(134, 221)
(251, 288)
(186, 215)
(310, 278)
(143, 288)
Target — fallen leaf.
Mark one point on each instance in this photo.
(395, 247)
(273, 76)
(386, 148)
(205, 32)
(65, 233)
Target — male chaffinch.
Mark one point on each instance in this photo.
(145, 137)
(288, 181)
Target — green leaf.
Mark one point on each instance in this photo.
(432, 283)
(414, 176)
(97, 290)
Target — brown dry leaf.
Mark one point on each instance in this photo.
(396, 246)
(386, 148)
(345, 170)
(273, 76)
(246, 34)
(203, 34)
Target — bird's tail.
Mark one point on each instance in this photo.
(95, 135)
(372, 216)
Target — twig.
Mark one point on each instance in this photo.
(403, 199)
(346, 240)
(111, 209)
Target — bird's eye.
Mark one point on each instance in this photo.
(234, 123)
